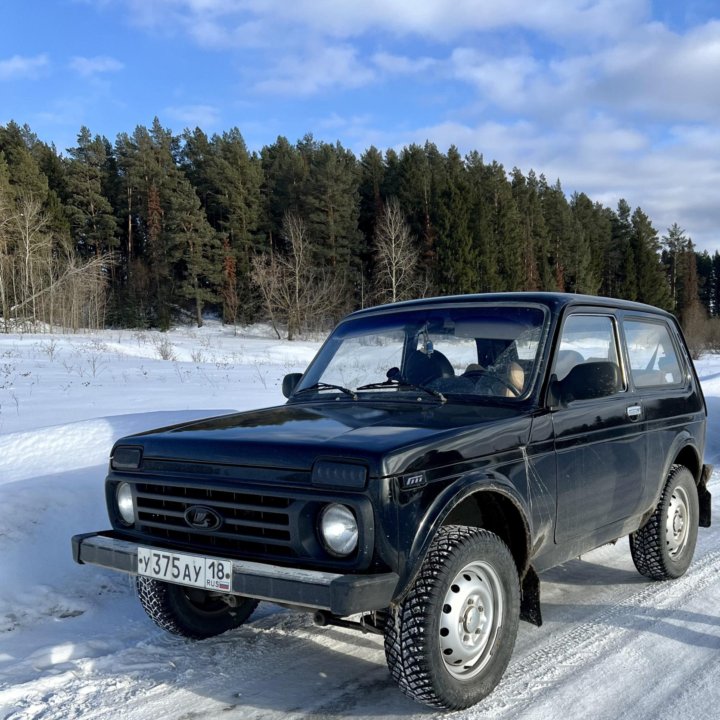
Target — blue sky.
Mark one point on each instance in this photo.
(617, 98)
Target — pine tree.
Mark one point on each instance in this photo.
(505, 229)
(284, 178)
(390, 186)
(674, 245)
(372, 177)
(372, 207)
(413, 193)
(592, 235)
(716, 284)
(621, 268)
(457, 259)
(560, 238)
(332, 204)
(705, 280)
(686, 285)
(228, 179)
(193, 248)
(527, 192)
(148, 166)
(652, 287)
(25, 174)
(92, 219)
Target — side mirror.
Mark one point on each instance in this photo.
(589, 381)
(290, 382)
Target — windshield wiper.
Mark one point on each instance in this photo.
(392, 382)
(327, 386)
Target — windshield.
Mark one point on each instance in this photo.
(473, 352)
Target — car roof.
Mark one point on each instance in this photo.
(555, 301)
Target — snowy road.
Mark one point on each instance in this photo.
(74, 642)
(612, 646)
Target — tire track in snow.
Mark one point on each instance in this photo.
(535, 673)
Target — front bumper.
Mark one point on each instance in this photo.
(340, 594)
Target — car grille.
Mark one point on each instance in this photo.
(254, 524)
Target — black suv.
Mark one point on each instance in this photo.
(432, 460)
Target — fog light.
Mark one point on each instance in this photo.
(125, 503)
(339, 529)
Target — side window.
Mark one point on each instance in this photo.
(653, 359)
(586, 339)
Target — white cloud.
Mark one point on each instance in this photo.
(194, 115)
(19, 66)
(401, 64)
(100, 64)
(433, 19)
(321, 69)
(437, 20)
(653, 73)
(505, 81)
(660, 72)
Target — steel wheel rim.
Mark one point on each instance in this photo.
(470, 620)
(677, 523)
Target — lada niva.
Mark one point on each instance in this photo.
(433, 459)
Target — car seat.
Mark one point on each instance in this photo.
(422, 368)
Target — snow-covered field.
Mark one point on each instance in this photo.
(74, 642)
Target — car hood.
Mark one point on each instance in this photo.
(388, 437)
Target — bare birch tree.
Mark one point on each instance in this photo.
(42, 279)
(396, 256)
(34, 250)
(6, 254)
(293, 290)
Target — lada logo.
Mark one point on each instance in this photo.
(203, 518)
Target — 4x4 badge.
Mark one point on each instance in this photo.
(410, 482)
(202, 518)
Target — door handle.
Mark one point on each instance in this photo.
(634, 412)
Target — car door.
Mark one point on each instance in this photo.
(661, 377)
(599, 443)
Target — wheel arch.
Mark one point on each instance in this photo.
(690, 458)
(488, 502)
(684, 452)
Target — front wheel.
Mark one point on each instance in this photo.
(191, 612)
(449, 641)
(663, 548)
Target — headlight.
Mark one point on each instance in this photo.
(338, 529)
(126, 458)
(125, 503)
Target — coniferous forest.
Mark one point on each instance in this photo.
(158, 228)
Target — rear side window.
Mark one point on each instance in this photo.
(584, 339)
(653, 357)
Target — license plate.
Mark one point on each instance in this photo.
(194, 570)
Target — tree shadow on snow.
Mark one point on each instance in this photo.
(667, 623)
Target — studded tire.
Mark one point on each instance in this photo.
(448, 643)
(663, 548)
(190, 612)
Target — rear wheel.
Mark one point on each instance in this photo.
(663, 548)
(191, 612)
(450, 640)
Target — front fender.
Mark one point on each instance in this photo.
(441, 507)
